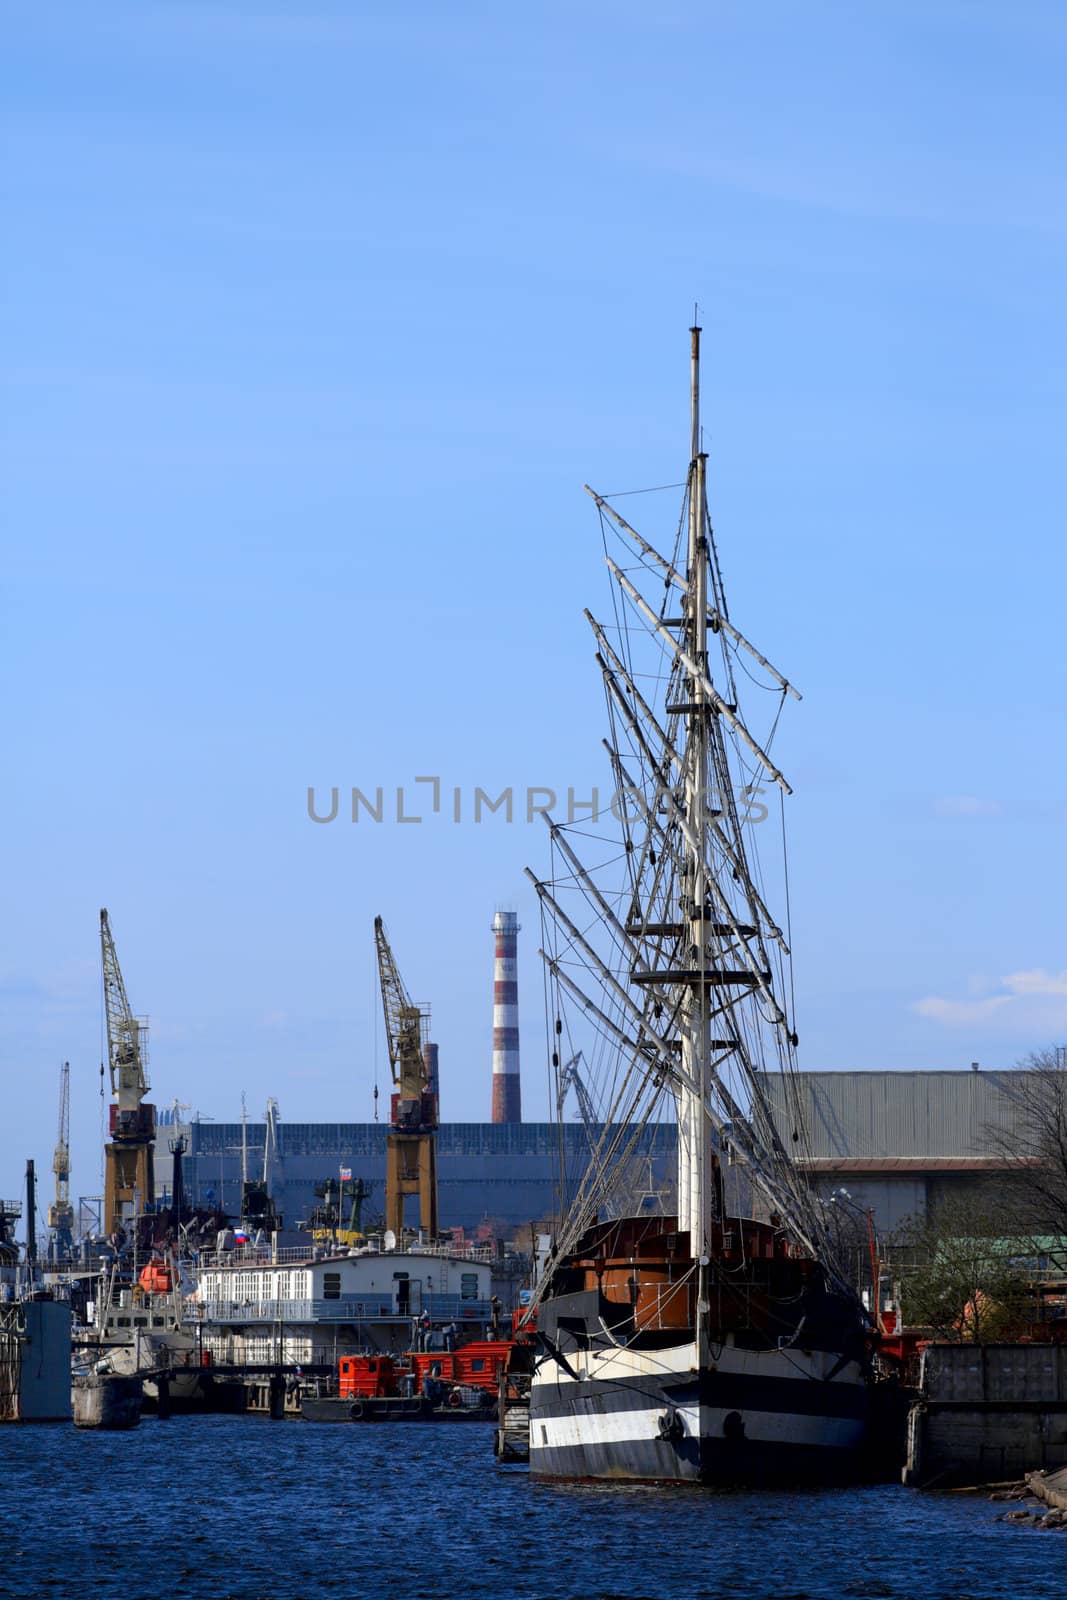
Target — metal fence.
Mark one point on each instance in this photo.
(262, 1255)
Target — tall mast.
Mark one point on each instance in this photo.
(694, 400)
(685, 980)
(694, 1152)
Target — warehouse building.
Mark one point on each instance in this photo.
(900, 1142)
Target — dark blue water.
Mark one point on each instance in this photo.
(246, 1509)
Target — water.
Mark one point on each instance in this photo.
(239, 1508)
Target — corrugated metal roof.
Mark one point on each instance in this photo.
(893, 1114)
(942, 1165)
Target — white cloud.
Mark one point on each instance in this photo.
(1036, 981)
(1030, 999)
(965, 805)
(959, 1012)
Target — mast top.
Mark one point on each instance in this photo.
(694, 392)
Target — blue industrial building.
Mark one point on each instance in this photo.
(506, 1173)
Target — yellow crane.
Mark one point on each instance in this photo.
(61, 1212)
(129, 1170)
(411, 1143)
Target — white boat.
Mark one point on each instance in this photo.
(717, 1339)
(308, 1306)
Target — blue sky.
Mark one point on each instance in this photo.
(316, 320)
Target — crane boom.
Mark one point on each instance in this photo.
(129, 1179)
(411, 1144)
(129, 1081)
(61, 1158)
(61, 1212)
(405, 1024)
(569, 1077)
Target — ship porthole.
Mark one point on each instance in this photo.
(733, 1427)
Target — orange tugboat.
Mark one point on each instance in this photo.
(423, 1385)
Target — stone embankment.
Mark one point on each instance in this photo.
(1040, 1501)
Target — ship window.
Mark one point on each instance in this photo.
(140, 1322)
(123, 1322)
(468, 1286)
(157, 1322)
(478, 1364)
(331, 1286)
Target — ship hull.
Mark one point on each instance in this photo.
(752, 1417)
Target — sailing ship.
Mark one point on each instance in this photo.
(721, 1343)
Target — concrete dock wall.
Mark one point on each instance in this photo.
(35, 1361)
(988, 1412)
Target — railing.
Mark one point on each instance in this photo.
(461, 1252)
(261, 1255)
(441, 1308)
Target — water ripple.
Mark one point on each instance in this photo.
(236, 1508)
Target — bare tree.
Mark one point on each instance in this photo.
(1035, 1150)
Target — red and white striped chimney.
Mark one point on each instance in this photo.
(507, 1086)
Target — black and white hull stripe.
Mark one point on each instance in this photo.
(752, 1415)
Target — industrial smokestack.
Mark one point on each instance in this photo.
(507, 1086)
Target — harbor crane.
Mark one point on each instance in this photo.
(411, 1142)
(634, 1190)
(569, 1077)
(129, 1170)
(61, 1212)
